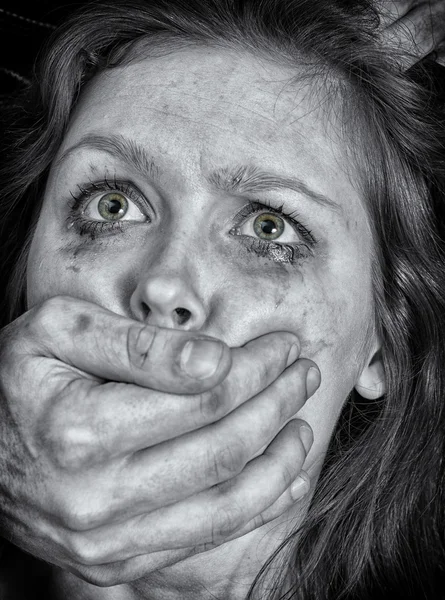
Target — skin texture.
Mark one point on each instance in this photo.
(197, 111)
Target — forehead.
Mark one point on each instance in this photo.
(214, 105)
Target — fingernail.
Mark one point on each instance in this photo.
(299, 488)
(293, 354)
(313, 379)
(200, 358)
(306, 436)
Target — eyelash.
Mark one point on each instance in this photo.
(93, 228)
(276, 251)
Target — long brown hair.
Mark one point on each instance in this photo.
(375, 527)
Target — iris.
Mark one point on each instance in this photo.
(113, 206)
(268, 226)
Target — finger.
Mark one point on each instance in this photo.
(198, 460)
(418, 32)
(390, 11)
(297, 492)
(210, 455)
(124, 571)
(111, 347)
(107, 574)
(136, 567)
(208, 518)
(85, 431)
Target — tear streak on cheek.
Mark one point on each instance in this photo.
(80, 250)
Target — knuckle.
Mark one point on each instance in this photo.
(286, 468)
(227, 460)
(140, 341)
(103, 575)
(45, 311)
(46, 317)
(267, 373)
(79, 515)
(83, 551)
(287, 396)
(212, 405)
(259, 371)
(70, 447)
(284, 403)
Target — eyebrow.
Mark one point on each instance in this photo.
(242, 179)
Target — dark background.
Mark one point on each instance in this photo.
(24, 28)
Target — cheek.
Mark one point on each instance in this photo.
(250, 296)
(57, 266)
(258, 296)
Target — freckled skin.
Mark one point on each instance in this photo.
(195, 111)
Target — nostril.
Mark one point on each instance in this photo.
(145, 309)
(183, 315)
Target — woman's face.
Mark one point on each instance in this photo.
(205, 180)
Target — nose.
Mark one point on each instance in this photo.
(168, 301)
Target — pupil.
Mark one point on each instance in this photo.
(268, 227)
(114, 206)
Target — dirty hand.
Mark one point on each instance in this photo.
(126, 447)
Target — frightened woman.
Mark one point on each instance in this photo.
(223, 370)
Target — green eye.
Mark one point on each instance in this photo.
(112, 206)
(268, 226)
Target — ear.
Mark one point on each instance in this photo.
(372, 384)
